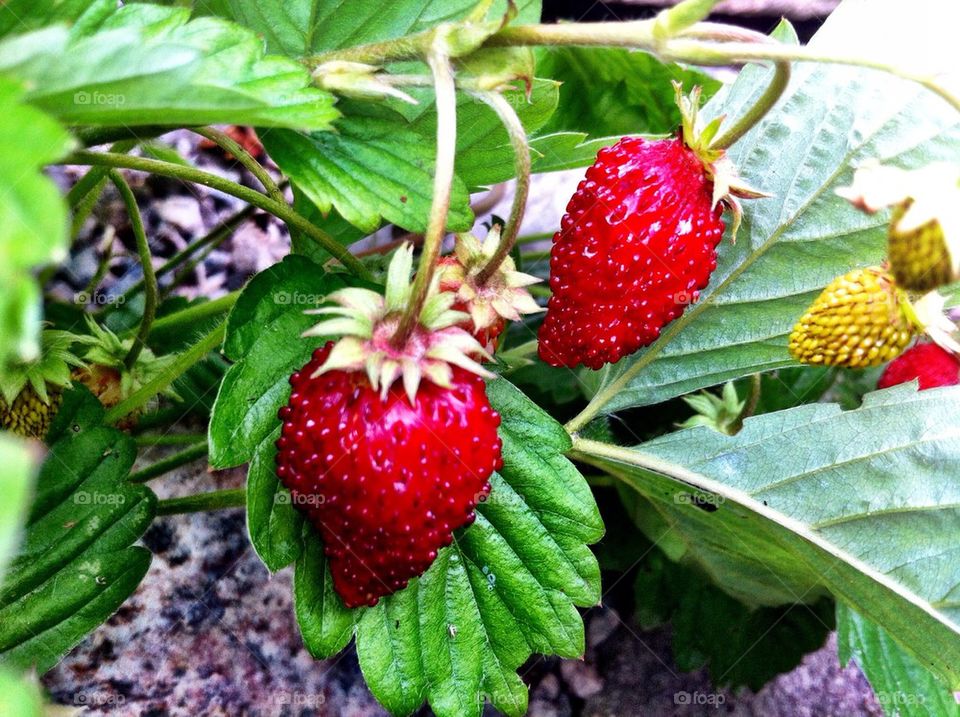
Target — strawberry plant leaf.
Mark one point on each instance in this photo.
(614, 91)
(17, 16)
(145, 64)
(263, 340)
(305, 27)
(32, 214)
(753, 509)
(901, 684)
(506, 587)
(794, 243)
(15, 487)
(373, 167)
(741, 646)
(76, 565)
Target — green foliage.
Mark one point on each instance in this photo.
(144, 65)
(613, 91)
(901, 684)
(304, 27)
(741, 646)
(814, 499)
(76, 565)
(791, 244)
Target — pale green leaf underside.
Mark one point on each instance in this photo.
(861, 503)
(794, 243)
(508, 585)
(901, 684)
(15, 487)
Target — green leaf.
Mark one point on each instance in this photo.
(794, 243)
(263, 339)
(18, 16)
(15, 487)
(275, 525)
(815, 499)
(33, 216)
(901, 684)
(506, 587)
(19, 697)
(613, 91)
(305, 27)
(147, 65)
(374, 167)
(75, 566)
(741, 646)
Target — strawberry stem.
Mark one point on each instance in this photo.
(201, 502)
(521, 154)
(246, 160)
(281, 210)
(446, 100)
(146, 264)
(165, 465)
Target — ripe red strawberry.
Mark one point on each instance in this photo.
(386, 483)
(387, 470)
(636, 245)
(927, 362)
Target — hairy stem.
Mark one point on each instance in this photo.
(521, 164)
(247, 160)
(165, 465)
(446, 94)
(153, 387)
(171, 439)
(187, 318)
(200, 502)
(281, 210)
(146, 264)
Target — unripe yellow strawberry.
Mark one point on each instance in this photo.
(857, 321)
(919, 257)
(29, 415)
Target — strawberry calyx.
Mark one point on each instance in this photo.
(367, 323)
(502, 296)
(51, 369)
(728, 186)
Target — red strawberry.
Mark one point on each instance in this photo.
(386, 483)
(927, 362)
(387, 470)
(636, 245)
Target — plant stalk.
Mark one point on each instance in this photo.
(247, 160)
(446, 100)
(281, 210)
(200, 502)
(165, 465)
(521, 154)
(185, 319)
(146, 264)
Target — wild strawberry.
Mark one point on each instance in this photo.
(861, 319)
(924, 232)
(489, 301)
(387, 472)
(928, 363)
(637, 244)
(31, 391)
